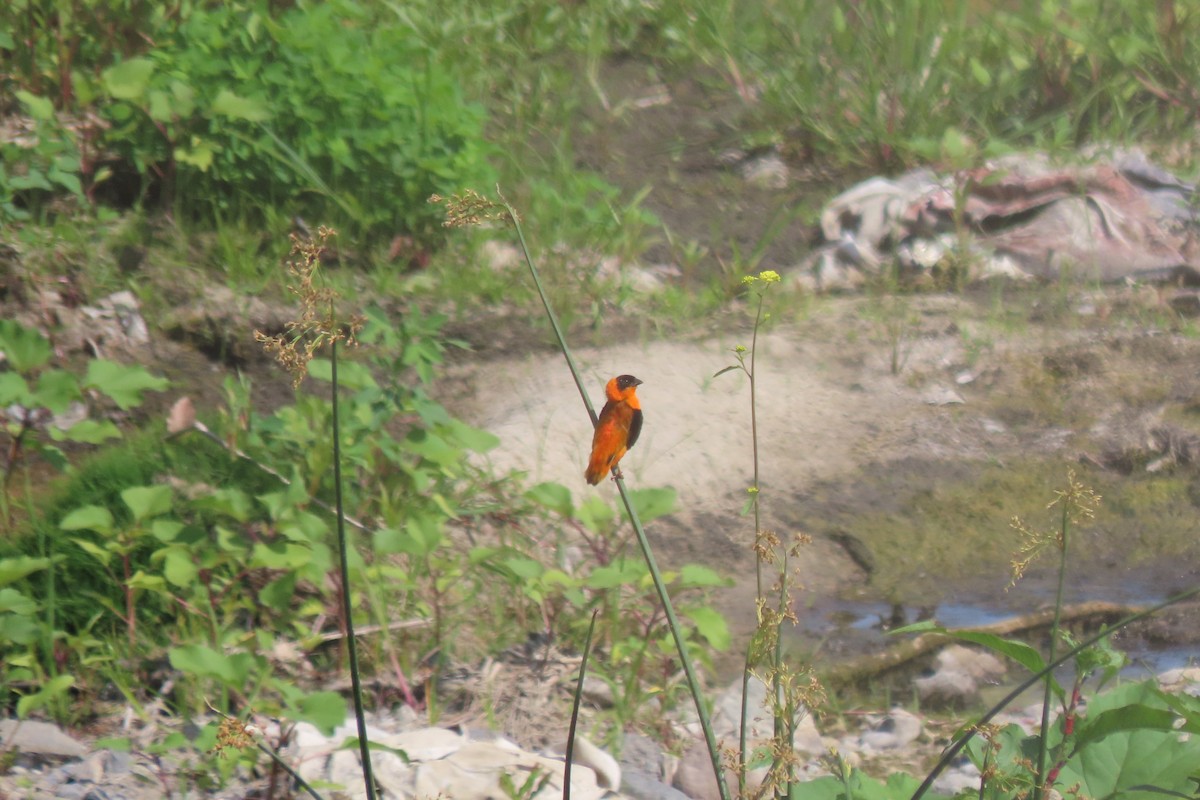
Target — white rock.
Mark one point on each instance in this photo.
(898, 729)
(40, 738)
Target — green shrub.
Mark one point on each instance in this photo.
(322, 110)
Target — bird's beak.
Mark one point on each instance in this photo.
(636, 382)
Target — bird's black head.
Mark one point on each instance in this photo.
(626, 381)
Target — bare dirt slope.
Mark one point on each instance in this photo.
(850, 452)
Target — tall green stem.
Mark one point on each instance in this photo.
(364, 750)
(1047, 695)
(659, 586)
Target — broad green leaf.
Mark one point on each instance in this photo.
(166, 530)
(129, 79)
(899, 786)
(179, 567)
(697, 575)
(25, 349)
(88, 431)
(711, 624)
(124, 384)
(621, 572)
(19, 630)
(147, 501)
(553, 496)
(1114, 765)
(14, 389)
(280, 555)
(40, 108)
(652, 503)
(14, 569)
(56, 389)
(203, 661)
(66, 179)
(228, 104)
(278, 593)
(388, 541)
(13, 602)
(1129, 718)
(326, 710)
(93, 518)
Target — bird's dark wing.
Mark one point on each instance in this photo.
(635, 428)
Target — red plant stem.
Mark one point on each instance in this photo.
(130, 622)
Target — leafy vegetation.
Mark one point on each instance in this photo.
(212, 551)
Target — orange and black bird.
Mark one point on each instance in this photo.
(618, 428)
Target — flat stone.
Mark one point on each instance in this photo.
(39, 738)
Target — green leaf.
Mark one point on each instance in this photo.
(54, 688)
(388, 541)
(14, 389)
(88, 431)
(980, 73)
(56, 389)
(352, 375)
(1018, 651)
(696, 575)
(711, 624)
(199, 155)
(326, 710)
(723, 370)
(19, 630)
(25, 349)
(204, 662)
(166, 530)
(621, 572)
(142, 580)
(280, 555)
(129, 79)
(92, 518)
(101, 554)
(228, 104)
(14, 569)
(233, 503)
(40, 108)
(147, 501)
(13, 602)
(596, 515)
(553, 496)
(474, 439)
(124, 384)
(652, 503)
(525, 568)
(278, 593)
(179, 567)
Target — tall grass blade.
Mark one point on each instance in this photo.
(587, 650)
(659, 586)
(364, 746)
